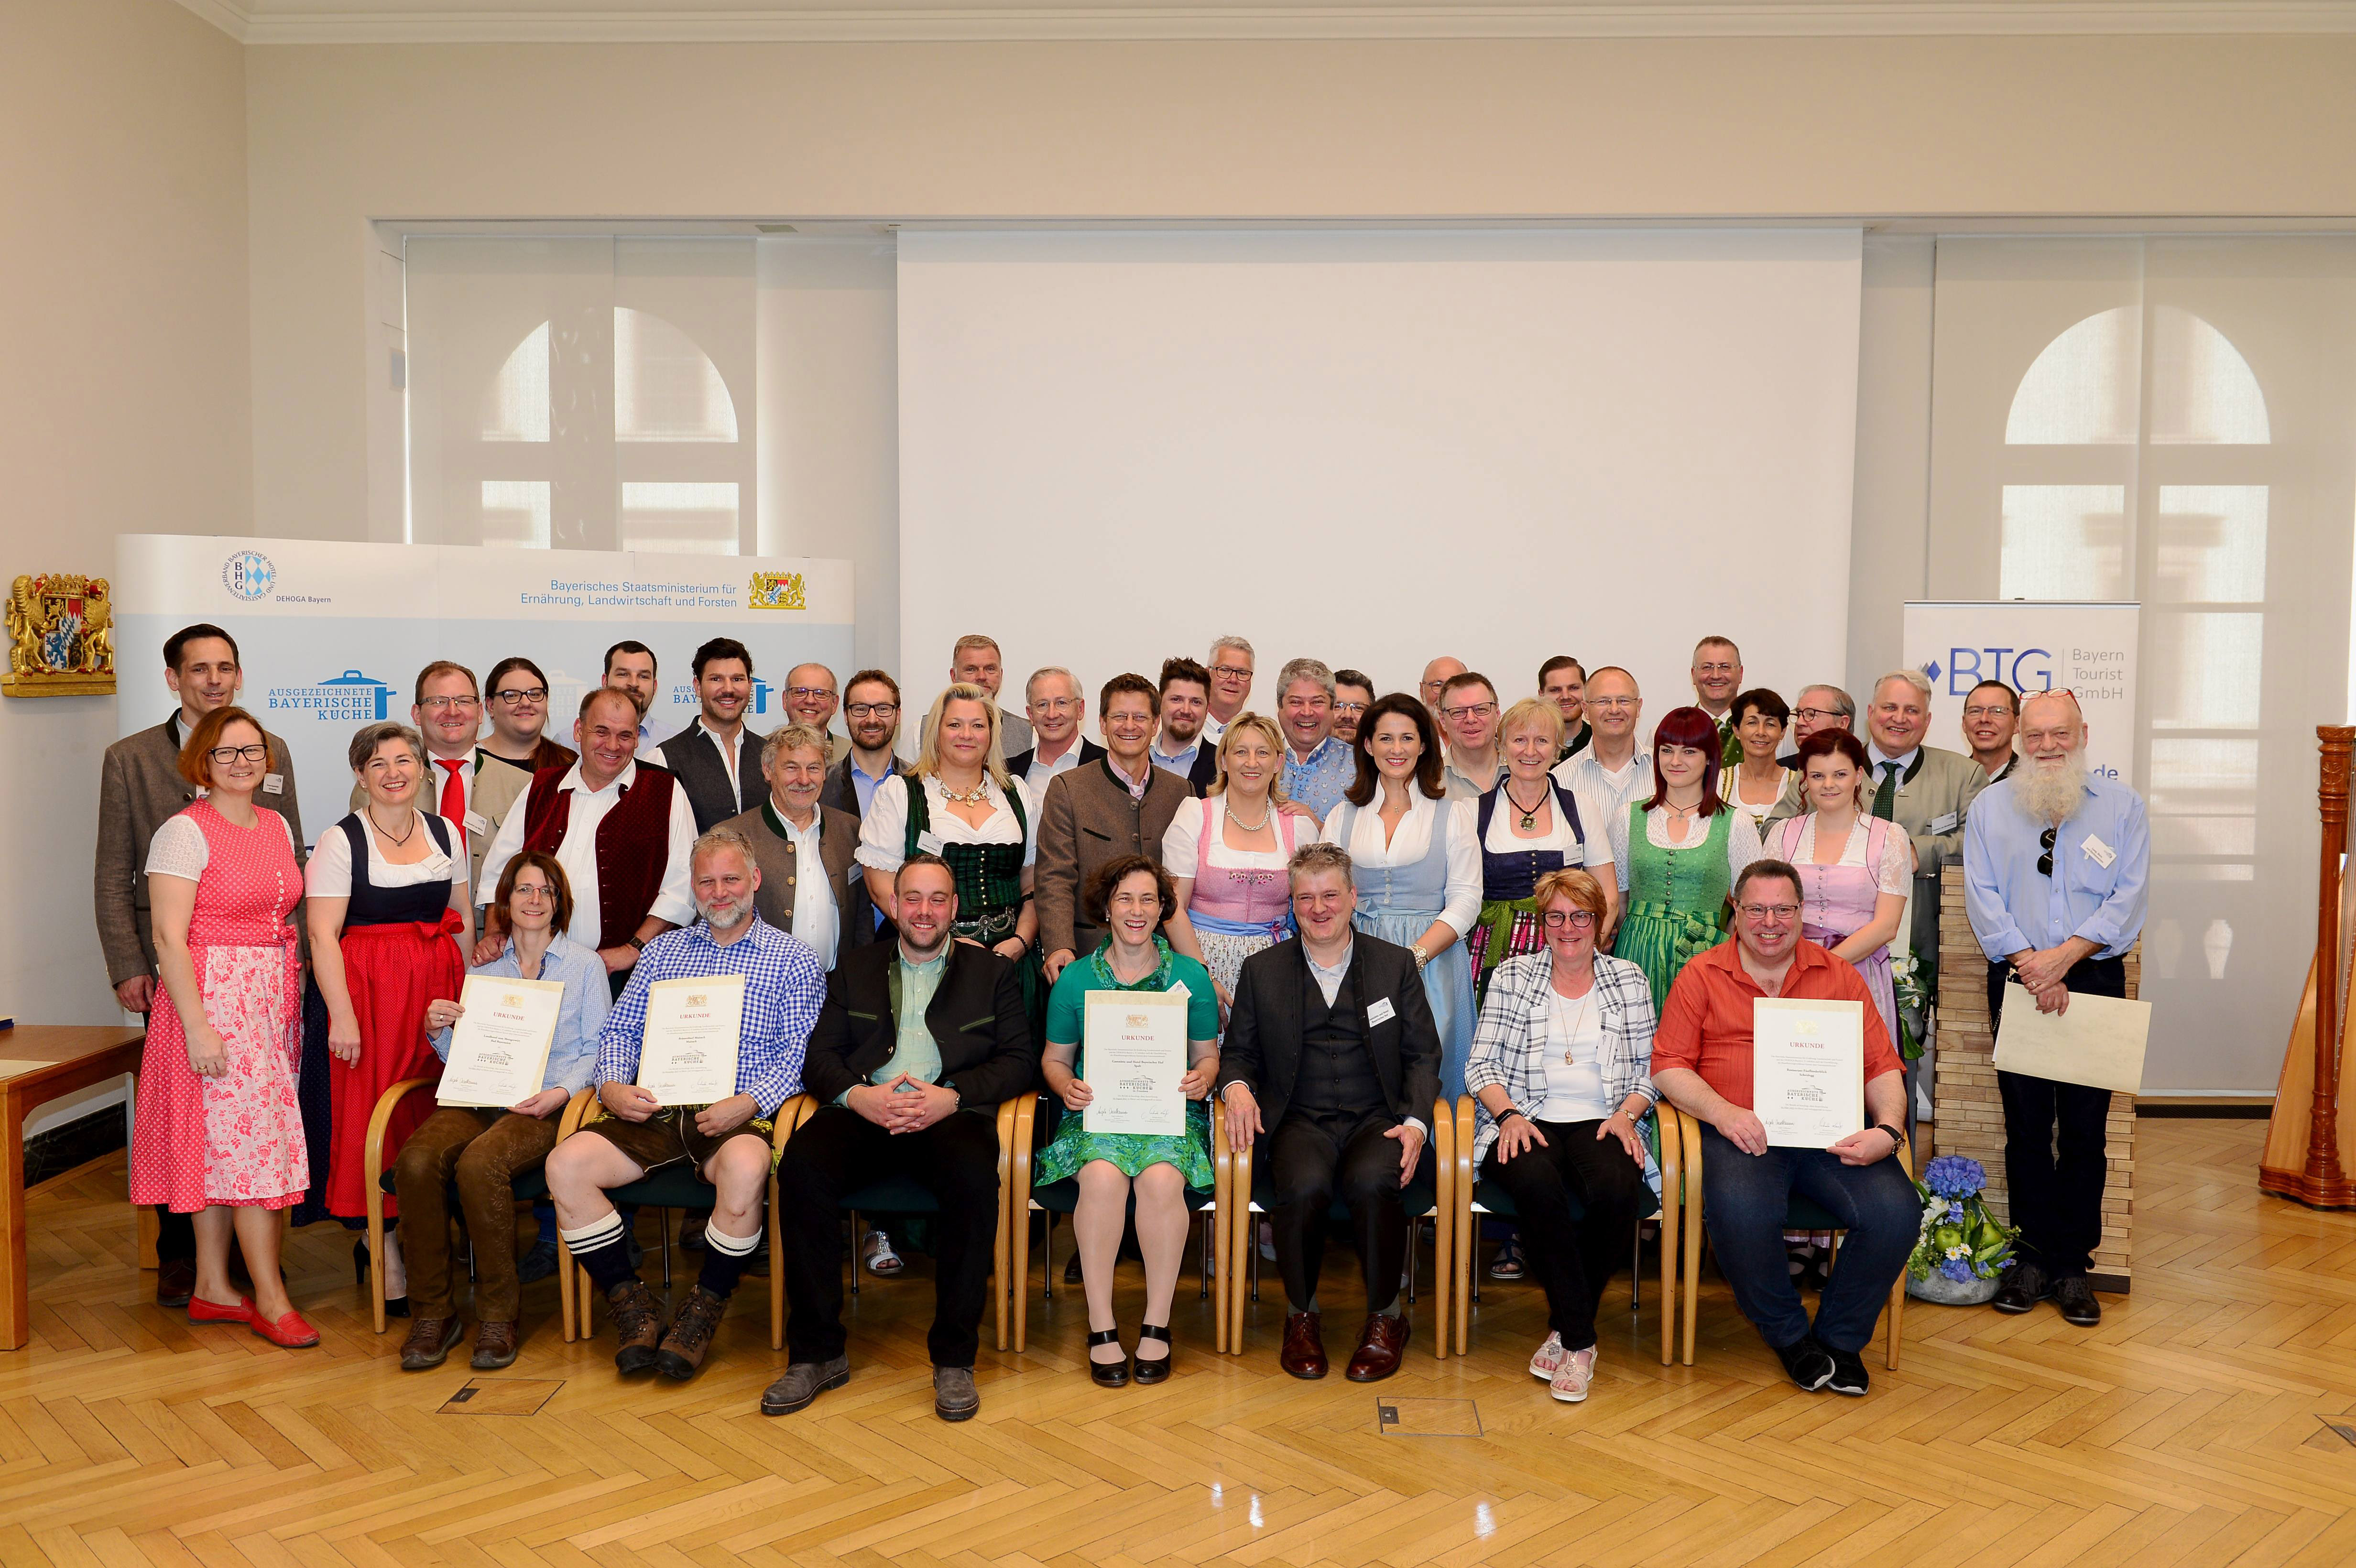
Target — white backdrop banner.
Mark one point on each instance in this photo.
(2086, 648)
(332, 635)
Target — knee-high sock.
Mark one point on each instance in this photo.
(599, 1247)
(724, 1257)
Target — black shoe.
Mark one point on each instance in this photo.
(1809, 1363)
(540, 1263)
(1848, 1372)
(1108, 1374)
(1157, 1369)
(1072, 1270)
(175, 1281)
(2023, 1286)
(395, 1306)
(2075, 1297)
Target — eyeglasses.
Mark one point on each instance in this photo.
(1231, 672)
(1576, 920)
(442, 704)
(1812, 714)
(515, 695)
(1057, 704)
(1469, 710)
(531, 891)
(1998, 711)
(1778, 912)
(1350, 706)
(228, 755)
(810, 693)
(1611, 702)
(873, 710)
(2045, 842)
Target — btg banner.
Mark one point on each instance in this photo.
(2086, 648)
(332, 635)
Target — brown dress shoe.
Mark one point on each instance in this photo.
(1305, 1346)
(1380, 1344)
(495, 1347)
(175, 1281)
(639, 1323)
(681, 1356)
(429, 1342)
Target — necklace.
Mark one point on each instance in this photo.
(1529, 813)
(1266, 807)
(974, 797)
(1577, 1020)
(385, 833)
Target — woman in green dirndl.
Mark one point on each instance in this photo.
(962, 804)
(1678, 854)
(1131, 897)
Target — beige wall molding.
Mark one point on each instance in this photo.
(525, 21)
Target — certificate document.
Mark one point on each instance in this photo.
(689, 1055)
(2098, 1041)
(1807, 1070)
(498, 1048)
(1133, 1052)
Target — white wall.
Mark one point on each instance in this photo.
(124, 398)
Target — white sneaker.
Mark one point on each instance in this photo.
(1569, 1381)
(1548, 1360)
(877, 1254)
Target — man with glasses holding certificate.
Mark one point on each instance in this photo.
(1772, 1086)
(705, 1044)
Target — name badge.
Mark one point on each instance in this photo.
(2099, 852)
(273, 784)
(1382, 1012)
(930, 843)
(474, 823)
(1942, 824)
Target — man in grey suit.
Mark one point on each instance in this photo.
(139, 789)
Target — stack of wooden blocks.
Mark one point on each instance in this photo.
(1971, 1112)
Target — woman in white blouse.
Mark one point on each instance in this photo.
(1415, 857)
(1226, 853)
(961, 804)
(1761, 717)
(1856, 870)
(386, 906)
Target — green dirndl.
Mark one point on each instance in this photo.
(1131, 1153)
(988, 889)
(1676, 901)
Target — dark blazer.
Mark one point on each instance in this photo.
(841, 794)
(1262, 1049)
(977, 1018)
(1019, 763)
(1206, 770)
(838, 847)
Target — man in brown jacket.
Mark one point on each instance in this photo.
(820, 895)
(139, 789)
(1120, 803)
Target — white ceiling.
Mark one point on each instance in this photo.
(738, 21)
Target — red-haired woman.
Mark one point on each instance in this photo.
(218, 1133)
(1678, 853)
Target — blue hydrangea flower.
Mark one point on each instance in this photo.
(1958, 1270)
(1955, 1177)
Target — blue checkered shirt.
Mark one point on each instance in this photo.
(784, 988)
(1318, 783)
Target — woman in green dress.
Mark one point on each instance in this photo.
(1678, 854)
(1131, 897)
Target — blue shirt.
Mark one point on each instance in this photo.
(2012, 907)
(865, 784)
(573, 1057)
(1179, 762)
(1318, 783)
(784, 988)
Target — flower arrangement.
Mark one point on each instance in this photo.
(1960, 1241)
(1914, 994)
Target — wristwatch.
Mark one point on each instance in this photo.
(1897, 1138)
(638, 943)
(1421, 957)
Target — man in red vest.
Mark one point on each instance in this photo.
(622, 833)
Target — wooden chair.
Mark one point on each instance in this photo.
(903, 1195)
(1431, 1193)
(1804, 1215)
(1474, 1196)
(1062, 1197)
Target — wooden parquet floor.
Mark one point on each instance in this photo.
(2186, 1430)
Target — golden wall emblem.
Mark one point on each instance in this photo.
(60, 636)
(777, 591)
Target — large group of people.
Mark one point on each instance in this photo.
(1372, 904)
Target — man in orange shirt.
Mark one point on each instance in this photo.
(1701, 1064)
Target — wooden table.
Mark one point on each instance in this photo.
(75, 1057)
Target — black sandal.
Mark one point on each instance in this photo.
(1108, 1374)
(1157, 1370)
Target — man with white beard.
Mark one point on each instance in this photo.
(2056, 865)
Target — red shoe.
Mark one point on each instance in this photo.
(290, 1332)
(203, 1311)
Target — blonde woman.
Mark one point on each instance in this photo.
(961, 804)
(1226, 853)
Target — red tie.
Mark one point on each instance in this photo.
(454, 796)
